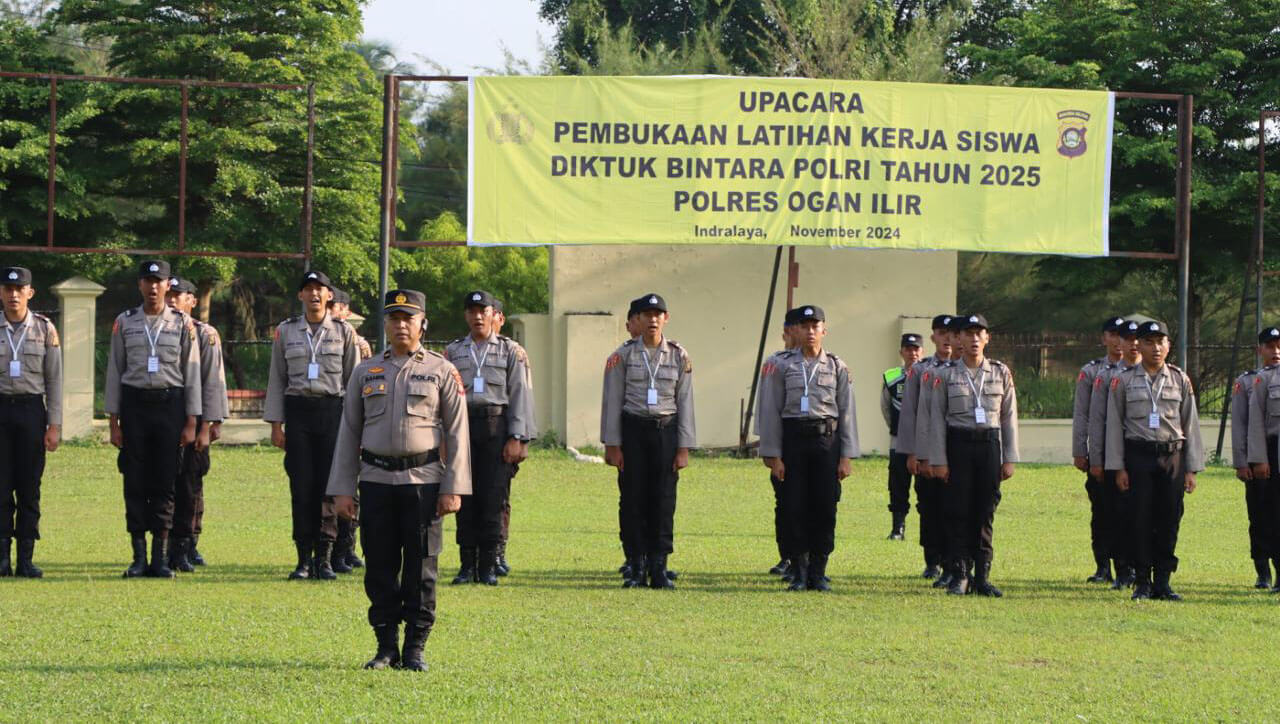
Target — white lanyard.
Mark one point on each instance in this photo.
(153, 362)
(1153, 420)
(979, 412)
(477, 384)
(804, 401)
(15, 364)
(313, 369)
(652, 398)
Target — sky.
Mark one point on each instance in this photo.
(464, 36)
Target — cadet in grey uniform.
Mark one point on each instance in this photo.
(1153, 444)
(311, 360)
(783, 567)
(32, 355)
(188, 514)
(808, 436)
(973, 447)
(1114, 501)
(153, 398)
(340, 308)
(400, 408)
(647, 427)
(912, 438)
(1259, 391)
(495, 376)
(531, 431)
(895, 383)
(1080, 452)
(344, 556)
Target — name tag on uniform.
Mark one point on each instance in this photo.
(153, 364)
(1153, 421)
(15, 368)
(652, 397)
(804, 403)
(980, 415)
(477, 385)
(313, 370)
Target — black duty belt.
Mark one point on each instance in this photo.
(486, 411)
(19, 399)
(814, 427)
(1160, 448)
(396, 464)
(655, 422)
(983, 435)
(161, 394)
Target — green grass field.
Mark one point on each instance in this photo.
(560, 639)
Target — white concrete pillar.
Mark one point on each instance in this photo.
(78, 302)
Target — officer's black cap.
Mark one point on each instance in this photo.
(1152, 329)
(809, 313)
(1114, 324)
(405, 300)
(961, 322)
(180, 285)
(910, 340)
(1270, 334)
(340, 297)
(649, 301)
(479, 298)
(1130, 329)
(315, 277)
(942, 321)
(154, 268)
(18, 275)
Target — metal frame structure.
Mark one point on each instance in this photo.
(184, 85)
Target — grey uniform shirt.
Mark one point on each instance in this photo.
(178, 363)
(910, 401)
(765, 367)
(40, 361)
(1264, 413)
(402, 406)
(336, 353)
(1098, 410)
(626, 384)
(924, 408)
(213, 377)
(953, 405)
(1241, 393)
(830, 396)
(1129, 405)
(1081, 406)
(506, 378)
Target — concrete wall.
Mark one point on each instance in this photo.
(1049, 441)
(717, 297)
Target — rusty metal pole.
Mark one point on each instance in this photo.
(764, 336)
(53, 158)
(388, 196)
(793, 277)
(1186, 108)
(182, 173)
(309, 181)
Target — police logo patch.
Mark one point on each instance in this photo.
(153, 268)
(368, 389)
(475, 297)
(13, 275)
(401, 299)
(1072, 127)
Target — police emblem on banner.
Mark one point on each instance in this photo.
(1072, 126)
(509, 125)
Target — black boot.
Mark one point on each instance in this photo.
(658, 572)
(780, 568)
(799, 572)
(159, 567)
(898, 532)
(487, 567)
(1102, 571)
(354, 560)
(303, 571)
(944, 578)
(1125, 576)
(338, 559)
(1263, 568)
(193, 554)
(1275, 562)
(178, 556)
(503, 568)
(6, 565)
(931, 572)
(635, 575)
(959, 584)
(818, 580)
(1142, 586)
(982, 581)
(388, 654)
(415, 638)
(467, 572)
(27, 569)
(322, 565)
(1161, 590)
(138, 568)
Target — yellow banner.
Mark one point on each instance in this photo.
(698, 160)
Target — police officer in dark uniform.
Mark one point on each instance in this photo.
(495, 376)
(973, 448)
(1259, 391)
(1153, 444)
(153, 398)
(647, 427)
(311, 360)
(32, 355)
(808, 437)
(401, 407)
(895, 383)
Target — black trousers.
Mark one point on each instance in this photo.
(779, 518)
(899, 484)
(401, 537)
(1156, 490)
(1100, 521)
(480, 519)
(971, 496)
(1117, 505)
(188, 492)
(811, 489)
(22, 426)
(648, 486)
(311, 433)
(151, 424)
(1262, 501)
(624, 534)
(933, 522)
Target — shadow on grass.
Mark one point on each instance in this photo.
(222, 573)
(167, 666)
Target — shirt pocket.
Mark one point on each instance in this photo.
(959, 396)
(668, 376)
(992, 394)
(296, 359)
(421, 398)
(167, 348)
(636, 372)
(1137, 404)
(330, 355)
(375, 399)
(1171, 394)
(1273, 401)
(495, 374)
(33, 353)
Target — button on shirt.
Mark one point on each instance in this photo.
(953, 405)
(213, 376)
(39, 355)
(1098, 410)
(398, 407)
(506, 378)
(335, 352)
(178, 360)
(628, 374)
(1130, 405)
(830, 396)
(1264, 413)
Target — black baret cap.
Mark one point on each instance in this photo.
(340, 297)
(405, 300)
(315, 277)
(942, 321)
(1152, 329)
(1114, 324)
(479, 298)
(19, 275)
(157, 268)
(1269, 334)
(962, 322)
(910, 340)
(809, 313)
(649, 301)
(177, 284)
(1130, 329)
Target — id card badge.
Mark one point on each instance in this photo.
(652, 397)
(477, 385)
(1153, 421)
(980, 415)
(804, 403)
(313, 370)
(15, 368)
(153, 364)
